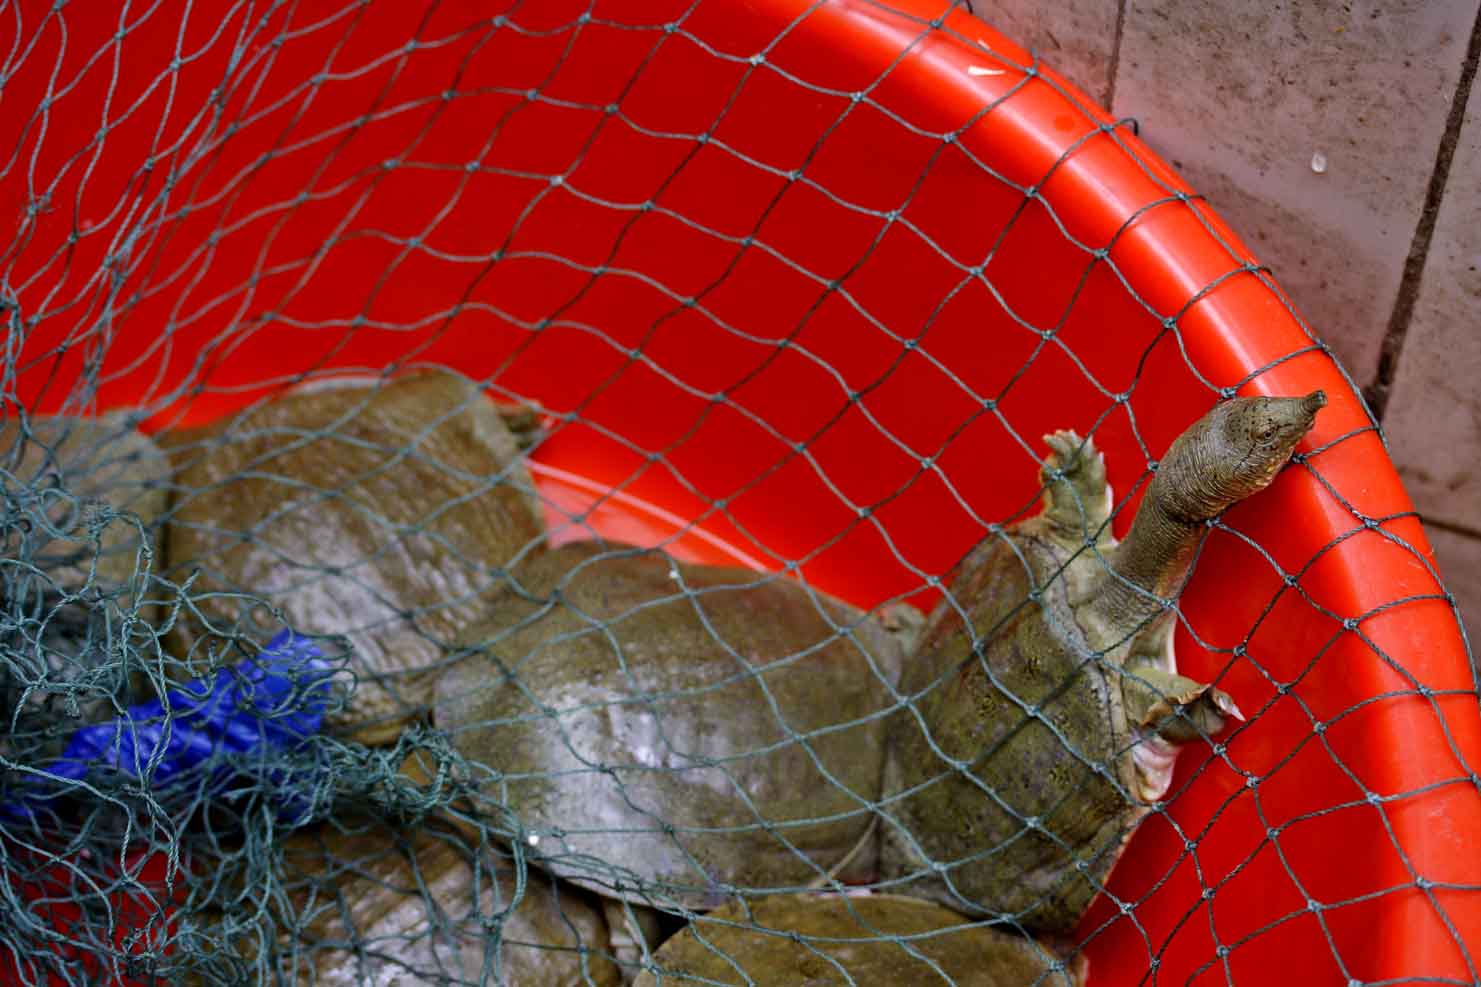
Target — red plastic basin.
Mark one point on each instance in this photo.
(139, 895)
(807, 281)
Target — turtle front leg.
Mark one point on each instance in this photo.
(1077, 498)
(1167, 710)
(1174, 707)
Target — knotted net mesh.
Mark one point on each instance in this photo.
(476, 476)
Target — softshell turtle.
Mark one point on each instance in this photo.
(874, 939)
(372, 906)
(676, 733)
(1045, 709)
(383, 512)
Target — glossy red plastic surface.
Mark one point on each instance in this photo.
(131, 908)
(822, 333)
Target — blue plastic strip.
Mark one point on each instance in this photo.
(274, 701)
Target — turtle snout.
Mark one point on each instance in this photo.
(1291, 418)
(1277, 424)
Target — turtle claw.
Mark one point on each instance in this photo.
(1078, 500)
(1200, 711)
(1227, 705)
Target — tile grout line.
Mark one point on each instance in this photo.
(1377, 392)
(1115, 66)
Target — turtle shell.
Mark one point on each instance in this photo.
(673, 732)
(377, 907)
(1004, 684)
(380, 512)
(816, 940)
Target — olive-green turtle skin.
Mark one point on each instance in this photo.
(372, 906)
(672, 733)
(1043, 707)
(816, 940)
(382, 512)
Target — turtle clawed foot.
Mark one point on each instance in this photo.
(1077, 498)
(1201, 714)
(1169, 711)
(524, 421)
(1173, 707)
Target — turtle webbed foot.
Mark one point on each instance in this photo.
(1197, 711)
(1168, 710)
(1077, 498)
(1174, 707)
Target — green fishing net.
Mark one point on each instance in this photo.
(366, 358)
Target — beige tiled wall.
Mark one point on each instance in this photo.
(1382, 248)
(1434, 414)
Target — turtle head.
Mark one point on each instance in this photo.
(1232, 452)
